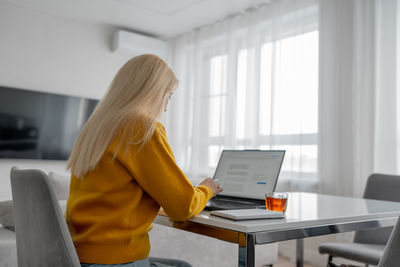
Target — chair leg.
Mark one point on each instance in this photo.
(329, 264)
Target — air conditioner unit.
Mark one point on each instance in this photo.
(137, 44)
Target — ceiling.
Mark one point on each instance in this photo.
(159, 18)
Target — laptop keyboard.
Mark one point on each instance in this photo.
(223, 204)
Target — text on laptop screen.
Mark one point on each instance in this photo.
(248, 174)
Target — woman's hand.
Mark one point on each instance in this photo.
(214, 187)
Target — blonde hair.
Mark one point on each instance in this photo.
(138, 93)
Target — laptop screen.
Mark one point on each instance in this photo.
(248, 173)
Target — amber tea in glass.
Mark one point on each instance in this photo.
(276, 201)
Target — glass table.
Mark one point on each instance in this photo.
(307, 215)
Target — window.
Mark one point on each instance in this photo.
(279, 111)
(250, 83)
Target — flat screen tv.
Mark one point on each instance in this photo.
(37, 125)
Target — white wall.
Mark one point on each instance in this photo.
(43, 52)
(40, 51)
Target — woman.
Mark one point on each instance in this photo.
(123, 170)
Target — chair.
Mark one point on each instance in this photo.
(42, 235)
(368, 245)
(391, 256)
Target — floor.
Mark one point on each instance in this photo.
(285, 262)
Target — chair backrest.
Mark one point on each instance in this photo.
(42, 234)
(391, 256)
(380, 187)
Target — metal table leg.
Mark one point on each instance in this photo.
(247, 252)
(299, 252)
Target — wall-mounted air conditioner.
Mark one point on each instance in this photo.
(137, 44)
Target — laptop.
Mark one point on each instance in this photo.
(245, 176)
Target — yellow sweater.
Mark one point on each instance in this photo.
(110, 211)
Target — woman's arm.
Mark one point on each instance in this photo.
(155, 170)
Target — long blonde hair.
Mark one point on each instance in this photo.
(137, 93)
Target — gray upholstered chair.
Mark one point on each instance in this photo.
(42, 235)
(368, 246)
(391, 256)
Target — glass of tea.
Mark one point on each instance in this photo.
(276, 201)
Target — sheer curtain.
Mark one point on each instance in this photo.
(248, 82)
(346, 114)
(359, 114)
(387, 156)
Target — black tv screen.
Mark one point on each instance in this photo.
(36, 125)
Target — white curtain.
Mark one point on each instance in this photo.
(346, 114)
(358, 115)
(387, 156)
(248, 82)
